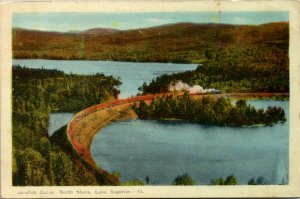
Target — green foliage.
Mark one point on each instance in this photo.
(14, 164)
(38, 160)
(258, 181)
(218, 181)
(184, 179)
(59, 140)
(230, 180)
(53, 90)
(62, 167)
(252, 182)
(134, 182)
(209, 111)
(82, 173)
(181, 43)
(32, 168)
(116, 173)
(234, 69)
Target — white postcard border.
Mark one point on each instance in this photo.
(9, 191)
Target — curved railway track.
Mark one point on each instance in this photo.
(85, 124)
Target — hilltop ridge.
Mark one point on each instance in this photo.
(179, 42)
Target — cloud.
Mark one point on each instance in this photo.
(115, 24)
(215, 19)
(39, 28)
(238, 20)
(155, 20)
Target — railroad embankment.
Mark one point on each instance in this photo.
(85, 124)
(84, 131)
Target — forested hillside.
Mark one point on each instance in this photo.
(236, 69)
(181, 43)
(232, 58)
(37, 159)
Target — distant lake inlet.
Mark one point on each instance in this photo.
(131, 74)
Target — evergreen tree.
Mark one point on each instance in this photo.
(184, 179)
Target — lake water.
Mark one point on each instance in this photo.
(163, 151)
(58, 120)
(132, 75)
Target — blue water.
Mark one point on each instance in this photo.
(58, 120)
(132, 75)
(163, 151)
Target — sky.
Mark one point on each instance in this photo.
(64, 22)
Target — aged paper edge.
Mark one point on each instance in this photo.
(9, 191)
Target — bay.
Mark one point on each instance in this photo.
(162, 151)
(131, 74)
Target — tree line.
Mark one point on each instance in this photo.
(187, 180)
(236, 69)
(180, 43)
(210, 111)
(37, 159)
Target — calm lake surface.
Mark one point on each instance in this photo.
(163, 151)
(132, 75)
(58, 120)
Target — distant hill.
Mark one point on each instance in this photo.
(181, 42)
(100, 31)
(95, 31)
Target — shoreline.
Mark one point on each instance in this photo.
(249, 96)
(107, 60)
(88, 126)
(180, 121)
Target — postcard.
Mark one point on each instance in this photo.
(150, 99)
